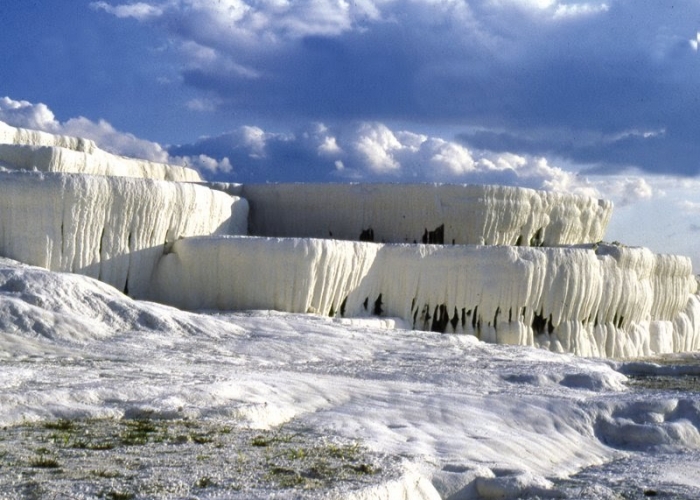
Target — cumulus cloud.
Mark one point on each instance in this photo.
(690, 207)
(578, 72)
(376, 145)
(138, 10)
(625, 191)
(373, 151)
(204, 164)
(27, 115)
(359, 151)
(582, 9)
(202, 105)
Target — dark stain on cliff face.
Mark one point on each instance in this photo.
(434, 237)
(377, 311)
(367, 234)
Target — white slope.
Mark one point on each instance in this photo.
(404, 213)
(477, 420)
(609, 302)
(15, 135)
(111, 228)
(33, 150)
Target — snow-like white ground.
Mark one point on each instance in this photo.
(473, 420)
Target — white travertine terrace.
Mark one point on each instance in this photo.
(610, 302)
(506, 264)
(15, 135)
(32, 150)
(111, 228)
(408, 213)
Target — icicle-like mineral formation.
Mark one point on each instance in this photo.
(111, 228)
(620, 302)
(506, 264)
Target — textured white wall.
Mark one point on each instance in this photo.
(401, 213)
(111, 228)
(614, 302)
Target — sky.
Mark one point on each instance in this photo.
(591, 97)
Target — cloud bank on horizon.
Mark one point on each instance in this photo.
(604, 84)
(360, 151)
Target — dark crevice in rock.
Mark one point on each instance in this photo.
(536, 240)
(440, 319)
(377, 311)
(367, 234)
(539, 323)
(435, 237)
(455, 320)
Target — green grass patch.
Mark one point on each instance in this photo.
(44, 462)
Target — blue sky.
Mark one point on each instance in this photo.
(595, 97)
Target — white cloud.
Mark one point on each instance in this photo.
(448, 157)
(376, 145)
(690, 207)
(625, 190)
(27, 115)
(202, 105)
(39, 117)
(556, 8)
(329, 146)
(254, 138)
(695, 42)
(114, 141)
(139, 10)
(365, 151)
(577, 10)
(269, 20)
(204, 164)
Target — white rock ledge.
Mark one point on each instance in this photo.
(111, 228)
(33, 150)
(609, 302)
(428, 213)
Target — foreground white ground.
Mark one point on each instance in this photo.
(440, 415)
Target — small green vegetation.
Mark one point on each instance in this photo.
(60, 425)
(288, 478)
(44, 462)
(113, 458)
(138, 432)
(205, 482)
(318, 466)
(118, 495)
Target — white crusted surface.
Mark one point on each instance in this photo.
(15, 135)
(34, 150)
(111, 228)
(402, 213)
(618, 302)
